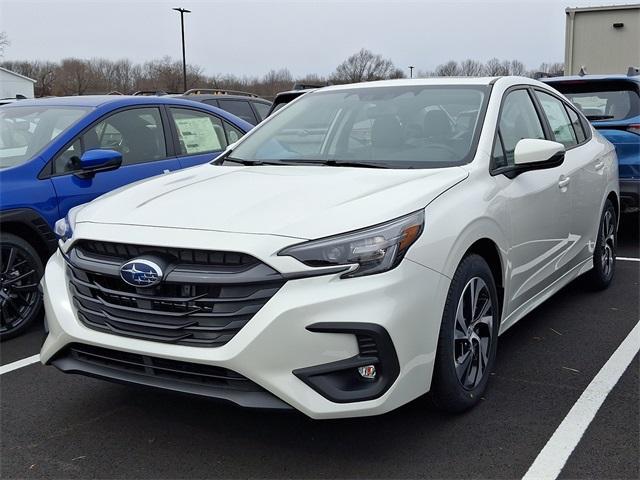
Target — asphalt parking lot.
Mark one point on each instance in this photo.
(56, 425)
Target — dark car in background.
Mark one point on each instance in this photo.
(247, 106)
(283, 98)
(612, 104)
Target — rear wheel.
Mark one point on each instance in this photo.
(604, 254)
(468, 337)
(20, 273)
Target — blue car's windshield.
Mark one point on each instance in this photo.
(25, 130)
(404, 126)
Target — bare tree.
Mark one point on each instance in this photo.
(365, 66)
(313, 79)
(123, 76)
(278, 80)
(449, 69)
(424, 74)
(471, 68)
(516, 67)
(552, 69)
(397, 73)
(496, 68)
(75, 77)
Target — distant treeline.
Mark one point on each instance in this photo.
(74, 76)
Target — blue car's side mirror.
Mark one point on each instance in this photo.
(98, 160)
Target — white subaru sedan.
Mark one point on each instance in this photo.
(362, 247)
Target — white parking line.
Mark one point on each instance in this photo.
(628, 259)
(556, 452)
(9, 367)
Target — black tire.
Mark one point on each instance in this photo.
(451, 389)
(604, 254)
(20, 273)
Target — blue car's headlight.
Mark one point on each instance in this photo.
(370, 250)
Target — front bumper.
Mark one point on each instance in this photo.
(406, 302)
(630, 194)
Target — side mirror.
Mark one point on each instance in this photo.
(98, 160)
(533, 154)
(530, 151)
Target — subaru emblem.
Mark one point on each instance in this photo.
(141, 273)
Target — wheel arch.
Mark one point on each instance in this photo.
(613, 197)
(490, 252)
(32, 228)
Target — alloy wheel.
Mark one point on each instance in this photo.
(19, 295)
(608, 243)
(473, 332)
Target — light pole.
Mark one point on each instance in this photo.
(184, 62)
(411, 67)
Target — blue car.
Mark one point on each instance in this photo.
(612, 104)
(57, 153)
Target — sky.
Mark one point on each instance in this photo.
(251, 37)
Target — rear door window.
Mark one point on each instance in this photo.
(198, 132)
(240, 108)
(211, 101)
(558, 119)
(262, 109)
(577, 125)
(233, 134)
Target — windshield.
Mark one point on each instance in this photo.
(395, 127)
(24, 131)
(603, 100)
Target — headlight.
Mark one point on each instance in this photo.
(63, 228)
(370, 250)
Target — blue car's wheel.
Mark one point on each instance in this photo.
(20, 272)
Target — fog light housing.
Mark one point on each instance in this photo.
(368, 372)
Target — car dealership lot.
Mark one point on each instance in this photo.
(56, 425)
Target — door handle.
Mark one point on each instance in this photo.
(599, 166)
(563, 182)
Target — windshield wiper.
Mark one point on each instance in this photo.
(330, 163)
(296, 161)
(249, 163)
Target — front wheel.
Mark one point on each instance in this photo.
(604, 254)
(468, 337)
(20, 272)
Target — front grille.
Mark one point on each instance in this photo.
(197, 303)
(162, 368)
(123, 252)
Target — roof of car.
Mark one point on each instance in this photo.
(99, 100)
(119, 101)
(573, 78)
(211, 96)
(417, 82)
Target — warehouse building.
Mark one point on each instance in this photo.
(602, 40)
(12, 84)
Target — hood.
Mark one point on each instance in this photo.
(295, 201)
